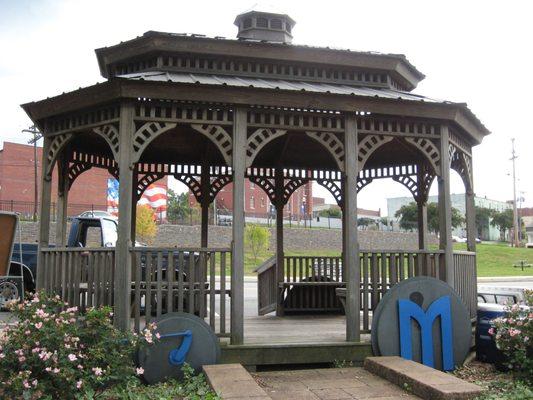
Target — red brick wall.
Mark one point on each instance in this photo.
(17, 181)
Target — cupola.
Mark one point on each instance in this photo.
(265, 26)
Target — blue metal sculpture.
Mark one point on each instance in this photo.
(407, 309)
(177, 356)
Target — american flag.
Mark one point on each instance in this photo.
(154, 196)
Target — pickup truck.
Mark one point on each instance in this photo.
(84, 231)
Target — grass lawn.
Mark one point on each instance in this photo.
(494, 259)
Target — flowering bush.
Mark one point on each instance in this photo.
(514, 337)
(53, 352)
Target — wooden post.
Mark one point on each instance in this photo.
(125, 209)
(350, 243)
(237, 272)
(44, 213)
(205, 181)
(445, 207)
(471, 232)
(62, 201)
(280, 261)
(422, 225)
(135, 181)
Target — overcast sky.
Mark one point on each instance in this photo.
(478, 52)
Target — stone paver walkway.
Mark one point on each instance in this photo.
(330, 384)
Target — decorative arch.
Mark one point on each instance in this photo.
(462, 164)
(267, 185)
(110, 134)
(146, 134)
(334, 188)
(291, 186)
(419, 190)
(220, 137)
(57, 145)
(76, 169)
(368, 145)
(217, 185)
(429, 149)
(362, 182)
(192, 183)
(258, 140)
(332, 144)
(145, 181)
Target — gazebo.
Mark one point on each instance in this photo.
(210, 111)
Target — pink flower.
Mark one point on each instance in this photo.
(78, 384)
(56, 370)
(97, 371)
(2, 355)
(22, 359)
(39, 325)
(491, 331)
(34, 382)
(139, 371)
(513, 332)
(72, 357)
(26, 385)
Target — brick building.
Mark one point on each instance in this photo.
(257, 203)
(88, 191)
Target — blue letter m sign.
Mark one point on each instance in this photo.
(441, 307)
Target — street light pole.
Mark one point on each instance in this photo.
(36, 136)
(515, 211)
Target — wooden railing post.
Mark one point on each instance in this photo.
(44, 222)
(445, 207)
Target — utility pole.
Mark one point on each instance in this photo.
(515, 211)
(36, 136)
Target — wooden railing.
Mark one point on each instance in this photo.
(81, 277)
(310, 283)
(465, 279)
(199, 284)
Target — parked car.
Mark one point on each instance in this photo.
(96, 214)
(500, 295)
(457, 239)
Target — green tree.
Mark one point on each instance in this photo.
(408, 215)
(503, 220)
(332, 212)
(178, 207)
(145, 226)
(483, 217)
(364, 222)
(256, 239)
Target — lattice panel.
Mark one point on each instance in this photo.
(295, 119)
(76, 169)
(410, 183)
(146, 134)
(56, 146)
(258, 140)
(193, 184)
(110, 134)
(368, 145)
(153, 110)
(217, 185)
(145, 181)
(362, 182)
(290, 187)
(268, 187)
(462, 163)
(83, 119)
(219, 136)
(334, 188)
(430, 151)
(376, 125)
(332, 144)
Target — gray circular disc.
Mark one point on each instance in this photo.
(204, 348)
(423, 291)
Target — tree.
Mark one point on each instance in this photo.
(145, 226)
(408, 215)
(364, 222)
(332, 212)
(178, 207)
(483, 217)
(503, 220)
(256, 239)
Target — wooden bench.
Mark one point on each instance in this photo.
(312, 296)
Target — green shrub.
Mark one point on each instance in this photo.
(257, 239)
(514, 337)
(53, 352)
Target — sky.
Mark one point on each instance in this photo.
(478, 52)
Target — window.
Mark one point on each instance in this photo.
(252, 202)
(247, 23)
(275, 23)
(252, 185)
(261, 22)
(262, 202)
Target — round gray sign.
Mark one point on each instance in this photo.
(422, 308)
(184, 338)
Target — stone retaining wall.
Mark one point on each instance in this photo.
(296, 239)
